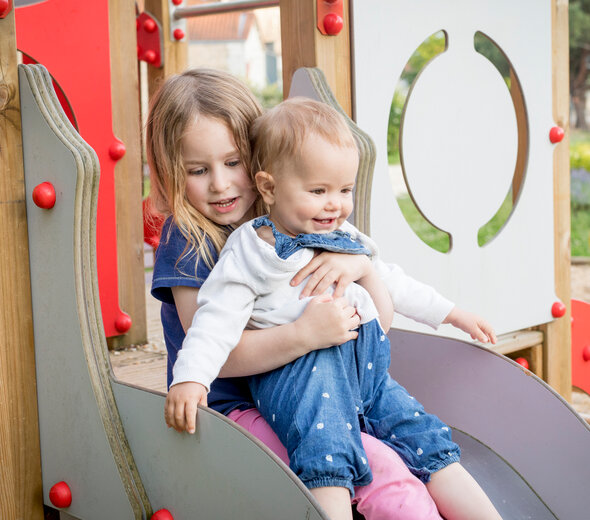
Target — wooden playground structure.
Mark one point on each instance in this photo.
(546, 347)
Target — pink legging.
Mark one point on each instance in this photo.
(394, 492)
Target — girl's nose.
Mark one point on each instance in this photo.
(219, 182)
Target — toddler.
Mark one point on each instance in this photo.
(305, 164)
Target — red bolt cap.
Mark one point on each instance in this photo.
(333, 24)
(178, 34)
(586, 353)
(116, 150)
(522, 362)
(556, 134)
(44, 195)
(558, 309)
(5, 7)
(60, 495)
(123, 323)
(162, 514)
(150, 56)
(149, 25)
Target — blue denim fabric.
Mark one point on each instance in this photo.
(336, 241)
(319, 404)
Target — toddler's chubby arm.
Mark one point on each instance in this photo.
(180, 410)
(410, 297)
(225, 303)
(474, 325)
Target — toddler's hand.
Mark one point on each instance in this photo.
(327, 321)
(180, 410)
(328, 268)
(478, 328)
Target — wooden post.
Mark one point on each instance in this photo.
(557, 360)
(20, 485)
(303, 45)
(174, 53)
(128, 171)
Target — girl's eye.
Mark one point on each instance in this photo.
(319, 191)
(347, 190)
(233, 164)
(197, 171)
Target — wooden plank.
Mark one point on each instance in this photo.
(128, 171)
(519, 340)
(304, 46)
(20, 485)
(557, 356)
(175, 53)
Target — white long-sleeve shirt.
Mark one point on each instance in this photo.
(249, 288)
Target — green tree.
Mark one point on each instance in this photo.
(579, 22)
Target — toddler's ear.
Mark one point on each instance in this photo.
(265, 184)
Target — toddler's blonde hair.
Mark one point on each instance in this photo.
(278, 135)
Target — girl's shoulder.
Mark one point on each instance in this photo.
(177, 263)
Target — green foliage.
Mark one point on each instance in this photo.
(269, 95)
(434, 237)
(580, 156)
(488, 231)
(580, 234)
(428, 49)
(395, 117)
(579, 24)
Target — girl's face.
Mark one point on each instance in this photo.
(217, 183)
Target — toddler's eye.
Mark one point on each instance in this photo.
(197, 171)
(318, 191)
(347, 190)
(233, 164)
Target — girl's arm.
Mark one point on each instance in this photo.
(325, 322)
(342, 269)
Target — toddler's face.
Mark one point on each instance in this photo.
(217, 184)
(314, 194)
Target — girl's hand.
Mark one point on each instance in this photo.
(478, 328)
(180, 410)
(326, 322)
(329, 268)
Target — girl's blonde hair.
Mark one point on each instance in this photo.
(179, 101)
(278, 135)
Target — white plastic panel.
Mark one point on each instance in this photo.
(459, 147)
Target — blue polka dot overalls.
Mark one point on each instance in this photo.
(319, 404)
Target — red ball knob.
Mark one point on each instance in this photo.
(556, 134)
(4, 8)
(116, 150)
(149, 25)
(150, 56)
(522, 362)
(44, 195)
(60, 495)
(178, 34)
(333, 24)
(558, 309)
(177, 2)
(162, 514)
(123, 323)
(586, 353)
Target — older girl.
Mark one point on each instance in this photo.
(198, 150)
